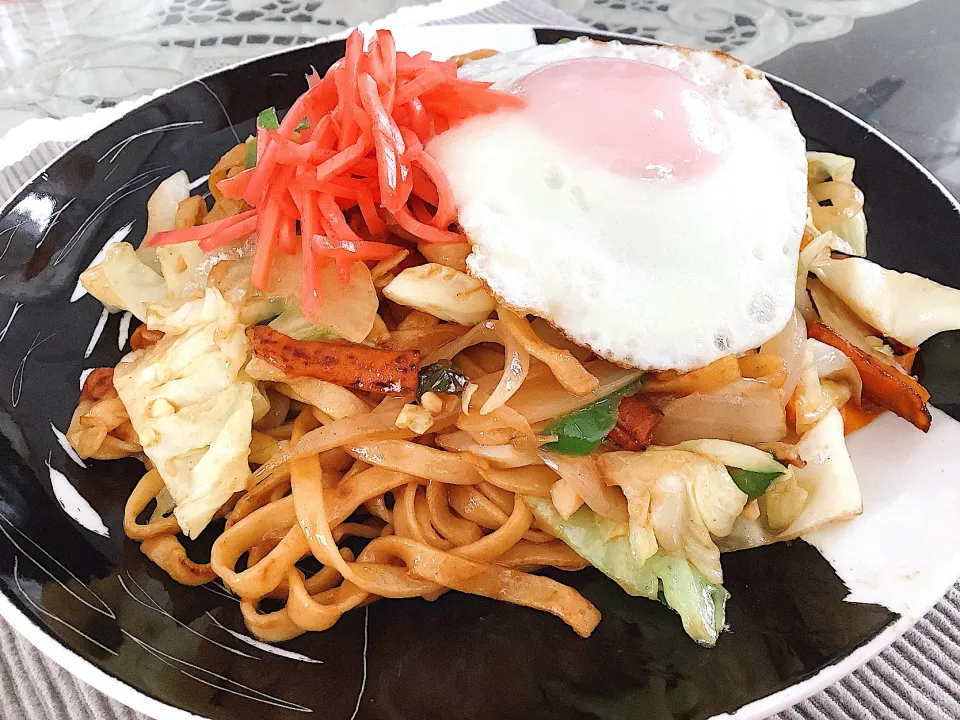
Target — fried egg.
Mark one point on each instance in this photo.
(647, 201)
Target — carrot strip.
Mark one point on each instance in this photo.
(418, 119)
(384, 142)
(340, 190)
(363, 122)
(388, 61)
(414, 146)
(324, 134)
(309, 226)
(427, 80)
(235, 187)
(267, 240)
(229, 234)
(375, 225)
(294, 116)
(197, 232)
(419, 211)
(883, 384)
(343, 161)
(319, 101)
(261, 174)
(352, 251)
(427, 233)
(291, 153)
(424, 188)
(288, 235)
(373, 66)
(446, 208)
(262, 140)
(342, 187)
(406, 184)
(287, 206)
(330, 213)
(351, 63)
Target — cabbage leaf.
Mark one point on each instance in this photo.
(903, 306)
(830, 491)
(124, 282)
(192, 406)
(670, 578)
(828, 166)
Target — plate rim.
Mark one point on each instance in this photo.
(116, 689)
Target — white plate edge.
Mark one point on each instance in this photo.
(755, 710)
(86, 671)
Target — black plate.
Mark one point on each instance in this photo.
(460, 656)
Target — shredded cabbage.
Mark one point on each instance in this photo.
(294, 323)
(191, 406)
(828, 479)
(828, 380)
(903, 306)
(683, 497)
(123, 282)
(162, 212)
(442, 292)
(848, 324)
(824, 167)
(731, 454)
(699, 602)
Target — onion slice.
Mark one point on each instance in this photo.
(582, 473)
(516, 359)
(745, 411)
(789, 344)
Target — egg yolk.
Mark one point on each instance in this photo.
(632, 118)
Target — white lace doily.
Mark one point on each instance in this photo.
(60, 58)
(753, 30)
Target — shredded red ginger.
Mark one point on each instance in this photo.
(368, 120)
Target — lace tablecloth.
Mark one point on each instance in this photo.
(62, 58)
(65, 57)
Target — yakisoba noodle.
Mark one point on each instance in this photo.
(410, 433)
(436, 520)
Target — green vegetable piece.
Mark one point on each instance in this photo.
(754, 484)
(700, 604)
(441, 377)
(582, 431)
(267, 119)
(318, 332)
(294, 323)
(668, 578)
(250, 159)
(302, 125)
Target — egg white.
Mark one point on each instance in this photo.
(649, 274)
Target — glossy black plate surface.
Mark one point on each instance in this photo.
(461, 656)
